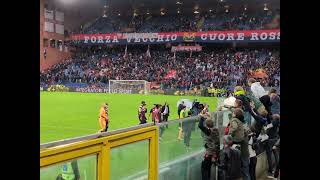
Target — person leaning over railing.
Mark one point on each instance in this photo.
(211, 141)
(237, 131)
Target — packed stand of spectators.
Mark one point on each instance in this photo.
(183, 23)
(242, 21)
(218, 67)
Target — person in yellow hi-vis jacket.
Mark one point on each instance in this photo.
(183, 114)
(69, 171)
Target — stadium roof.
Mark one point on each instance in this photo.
(128, 7)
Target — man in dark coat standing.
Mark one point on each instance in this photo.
(165, 112)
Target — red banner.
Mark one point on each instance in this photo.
(167, 37)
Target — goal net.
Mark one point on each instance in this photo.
(129, 86)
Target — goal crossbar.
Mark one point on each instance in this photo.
(127, 82)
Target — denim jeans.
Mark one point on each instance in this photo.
(247, 118)
(245, 168)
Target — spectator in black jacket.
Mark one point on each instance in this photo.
(165, 112)
(277, 147)
(230, 161)
(260, 120)
(253, 156)
(273, 133)
(212, 144)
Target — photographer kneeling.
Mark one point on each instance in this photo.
(212, 143)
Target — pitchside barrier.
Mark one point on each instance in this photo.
(149, 151)
(144, 90)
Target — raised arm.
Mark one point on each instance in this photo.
(202, 127)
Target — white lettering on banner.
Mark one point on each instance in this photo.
(221, 36)
(213, 36)
(272, 36)
(93, 39)
(174, 37)
(41, 88)
(115, 39)
(86, 38)
(92, 90)
(123, 91)
(254, 36)
(100, 39)
(129, 39)
(263, 36)
(137, 40)
(167, 39)
(160, 38)
(107, 39)
(230, 36)
(204, 36)
(240, 36)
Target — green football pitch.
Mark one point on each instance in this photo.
(65, 115)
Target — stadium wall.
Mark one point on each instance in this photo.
(54, 55)
(41, 29)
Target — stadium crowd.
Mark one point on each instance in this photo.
(174, 23)
(217, 68)
(254, 126)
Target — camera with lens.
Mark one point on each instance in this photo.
(197, 107)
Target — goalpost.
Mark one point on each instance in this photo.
(129, 86)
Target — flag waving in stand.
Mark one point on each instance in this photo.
(148, 52)
(125, 53)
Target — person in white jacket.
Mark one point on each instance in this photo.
(256, 88)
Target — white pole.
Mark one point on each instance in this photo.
(109, 86)
(145, 87)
